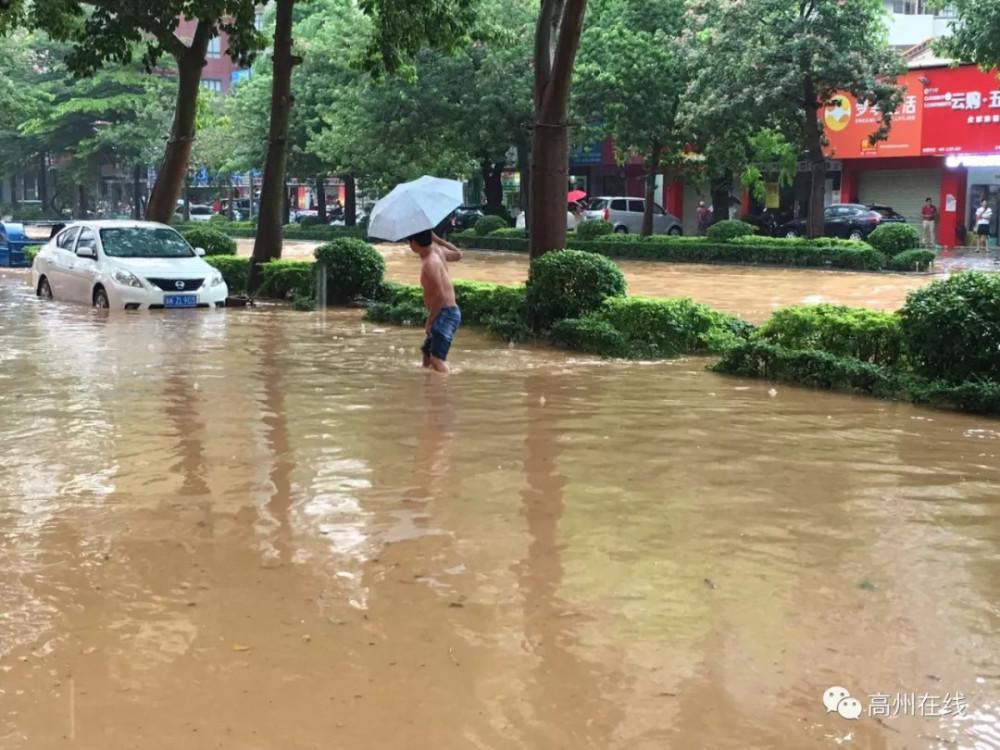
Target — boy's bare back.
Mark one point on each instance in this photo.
(436, 280)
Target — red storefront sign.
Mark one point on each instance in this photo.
(961, 111)
(850, 125)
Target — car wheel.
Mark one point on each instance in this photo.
(855, 235)
(621, 230)
(675, 231)
(101, 299)
(44, 290)
(791, 234)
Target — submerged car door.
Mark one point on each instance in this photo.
(62, 259)
(83, 272)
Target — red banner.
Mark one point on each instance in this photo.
(961, 111)
(850, 125)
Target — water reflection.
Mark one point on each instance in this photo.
(282, 517)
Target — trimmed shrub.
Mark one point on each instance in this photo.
(288, 279)
(895, 238)
(402, 314)
(234, 270)
(310, 221)
(394, 293)
(591, 229)
(488, 224)
(589, 334)
(913, 260)
(481, 302)
(655, 328)
(354, 269)
(569, 284)
(951, 327)
(854, 332)
(727, 229)
(212, 241)
(510, 232)
(218, 219)
(30, 251)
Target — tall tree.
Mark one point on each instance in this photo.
(267, 243)
(975, 34)
(557, 37)
(631, 76)
(781, 61)
(110, 30)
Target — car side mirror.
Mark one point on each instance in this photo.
(200, 252)
(87, 252)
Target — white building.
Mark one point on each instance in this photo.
(915, 21)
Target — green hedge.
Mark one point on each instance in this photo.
(591, 229)
(288, 279)
(248, 229)
(798, 252)
(855, 332)
(488, 224)
(234, 270)
(951, 327)
(728, 229)
(647, 328)
(212, 241)
(913, 260)
(30, 251)
(354, 269)
(894, 238)
(818, 369)
(569, 284)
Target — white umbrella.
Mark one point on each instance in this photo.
(414, 207)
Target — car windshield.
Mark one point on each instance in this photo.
(597, 204)
(144, 242)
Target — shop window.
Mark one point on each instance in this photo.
(212, 84)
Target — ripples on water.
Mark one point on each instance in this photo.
(279, 515)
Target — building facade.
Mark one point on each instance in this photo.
(944, 144)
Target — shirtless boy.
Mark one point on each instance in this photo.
(443, 315)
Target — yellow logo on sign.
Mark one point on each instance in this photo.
(837, 114)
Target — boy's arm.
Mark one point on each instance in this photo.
(432, 297)
(451, 253)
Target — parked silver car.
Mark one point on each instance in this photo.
(626, 215)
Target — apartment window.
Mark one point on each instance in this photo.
(913, 7)
(258, 21)
(212, 84)
(215, 48)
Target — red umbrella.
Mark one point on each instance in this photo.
(575, 195)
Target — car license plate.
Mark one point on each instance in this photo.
(180, 300)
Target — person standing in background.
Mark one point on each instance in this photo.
(704, 217)
(984, 217)
(929, 214)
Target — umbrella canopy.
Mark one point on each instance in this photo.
(575, 195)
(414, 207)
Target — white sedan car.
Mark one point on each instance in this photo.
(126, 265)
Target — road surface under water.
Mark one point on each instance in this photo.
(264, 529)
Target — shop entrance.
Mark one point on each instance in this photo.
(992, 195)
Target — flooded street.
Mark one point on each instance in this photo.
(751, 292)
(265, 529)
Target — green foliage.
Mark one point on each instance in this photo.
(952, 327)
(894, 238)
(489, 224)
(569, 284)
(728, 229)
(819, 369)
(213, 242)
(818, 253)
(656, 328)
(30, 252)
(234, 270)
(975, 34)
(218, 219)
(401, 313)
(854, 332)
(913, 260)
(591, 229)
(589, 334)
(510, 232)
(310, 221)
(288, 279)
(354, 269)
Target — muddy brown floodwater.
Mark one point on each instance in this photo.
(751, 292)
(265, 530)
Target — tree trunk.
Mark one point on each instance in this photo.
(350, 201)
(321, 199)
(524, 171)
(286, 205)
(267, 244)
(654, 170)
(231, 207)
(493, 185)
(186, 211)
(815, 224)
(557, 37)
(173, 169)
(722, 190)
(252, 198)
(43, 182)
(13, 191)
(137, 192)
(81, 195)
